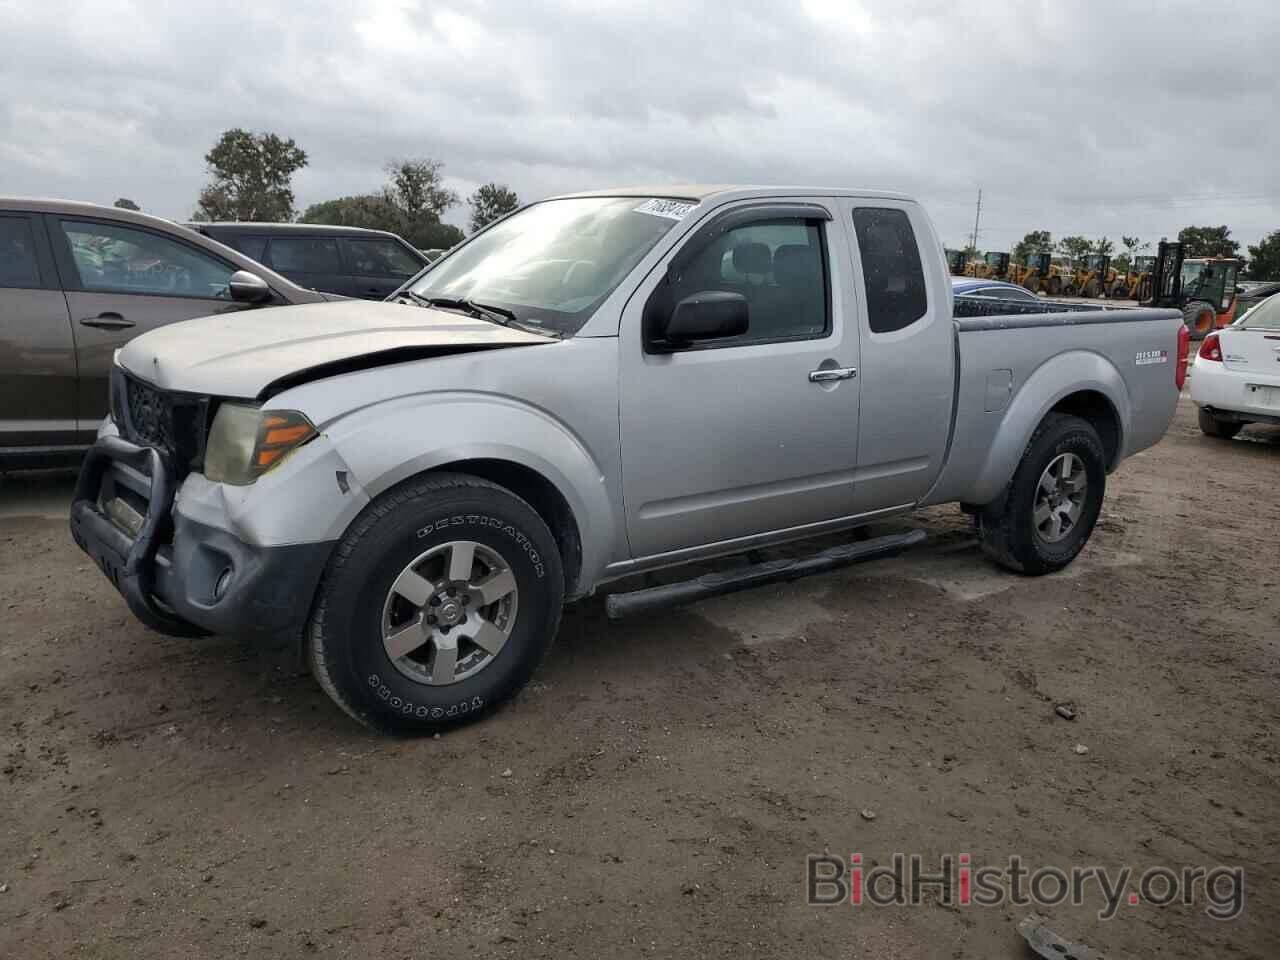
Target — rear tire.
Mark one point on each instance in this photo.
(394, 575)
(1212, 426)
(1008, 527)
(1093, 289)
(1053, 286)
(1200, 319)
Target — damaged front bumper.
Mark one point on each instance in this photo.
(179, 575)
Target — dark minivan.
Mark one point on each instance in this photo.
(351, 261)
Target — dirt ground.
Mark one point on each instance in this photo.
(656, 790)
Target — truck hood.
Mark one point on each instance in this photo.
(252, 353)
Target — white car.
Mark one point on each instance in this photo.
(1237, 373)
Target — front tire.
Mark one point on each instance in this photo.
(1047, 512)
(1211, 426)
(437, 605)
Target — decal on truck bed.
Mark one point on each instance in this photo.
(1151, 356)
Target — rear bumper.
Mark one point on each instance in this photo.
(1238, 394)
(178, 575)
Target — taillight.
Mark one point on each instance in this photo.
(1184, 354)
(1211, 349)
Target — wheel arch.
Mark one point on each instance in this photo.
(541, 494)
(1095, 407)
(509, 443)
(1081, 383)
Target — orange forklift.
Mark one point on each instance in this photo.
(1203, 288)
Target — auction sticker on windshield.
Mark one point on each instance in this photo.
(671, 209)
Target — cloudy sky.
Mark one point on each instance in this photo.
(1095, 118)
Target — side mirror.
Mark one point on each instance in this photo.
(248, 287)
(709, 315)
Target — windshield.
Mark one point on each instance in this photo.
(553, 263)
(1192, 275)
(1265, 316)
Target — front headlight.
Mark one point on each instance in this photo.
(246, 441)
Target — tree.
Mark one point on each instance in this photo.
(1075, 248)
(1132, 247)
(491, 202)
(418, 193)
(1207, 242)
(373, 211)
(410, 204)
(1104, 247)
(124, 203)
(1264, 259)
(252, 177)
(1037, 241)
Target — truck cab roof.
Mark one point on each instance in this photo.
(698, 192)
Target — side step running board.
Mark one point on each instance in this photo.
(619, 605)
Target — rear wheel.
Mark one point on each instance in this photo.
(1117, 290)
(437, 605)
(1047, 512)
(1093, 288)
(1212, 426)
(1199, 318)
(1053, 286)
(1069, 289)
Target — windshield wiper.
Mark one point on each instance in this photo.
(484, 311)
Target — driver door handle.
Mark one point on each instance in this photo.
(833, 373)
(107, 321)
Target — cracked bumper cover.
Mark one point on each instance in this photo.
(178, 574)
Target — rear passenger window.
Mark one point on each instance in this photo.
(381, 258)
(17, 254)
(891, 268)
(305, 255)
(255, 248)
(778, 265)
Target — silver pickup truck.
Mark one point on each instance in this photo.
(595, 386)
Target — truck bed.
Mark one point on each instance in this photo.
(1015, 359)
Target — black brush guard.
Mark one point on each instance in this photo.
(127, 558)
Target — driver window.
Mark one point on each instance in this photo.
(778, 266)
(119, 259)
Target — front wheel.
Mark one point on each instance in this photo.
(1211, 426)
(437, 605)
(1048, 510)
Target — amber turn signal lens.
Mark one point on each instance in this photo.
(282, 432)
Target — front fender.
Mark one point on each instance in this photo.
(392, 441)
(1059, 377)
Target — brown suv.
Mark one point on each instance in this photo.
(77, 281)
